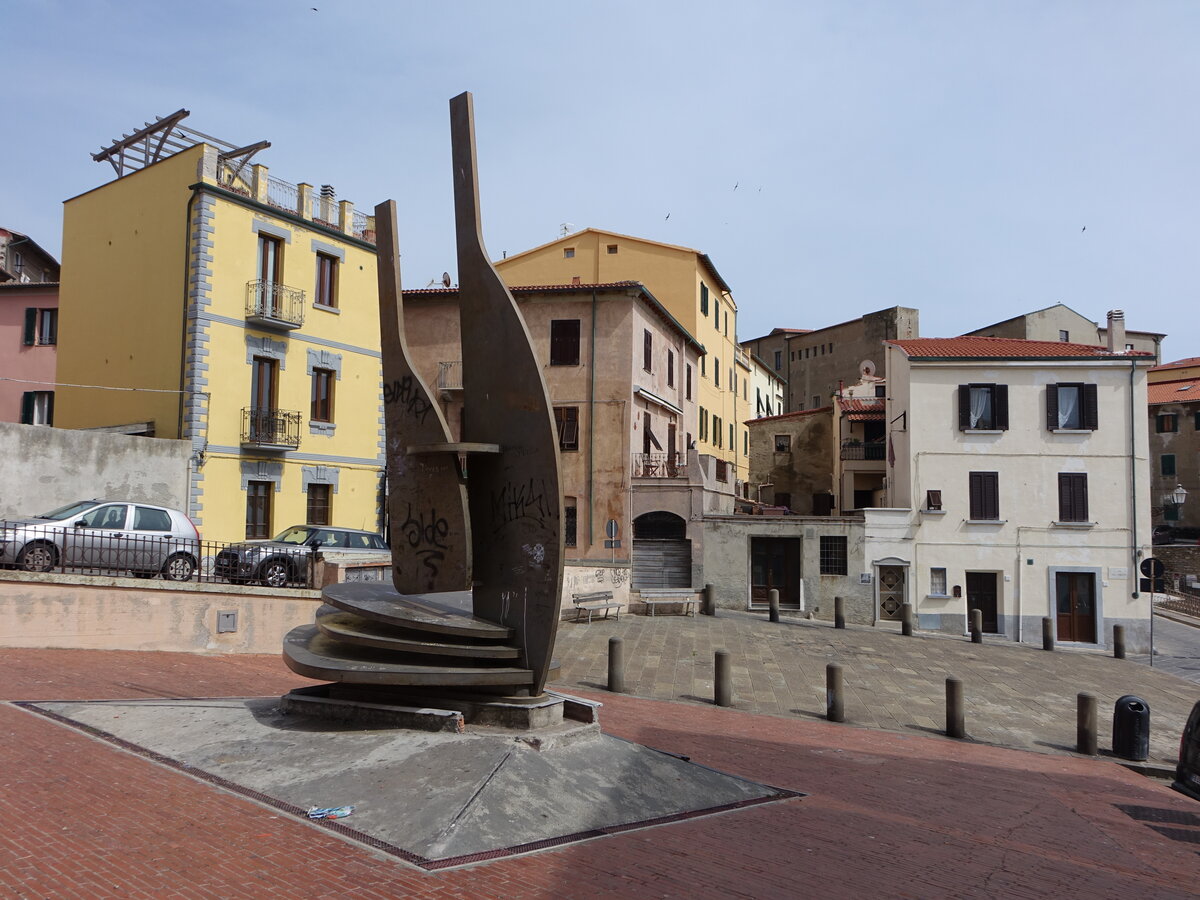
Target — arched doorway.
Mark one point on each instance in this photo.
(662, 554)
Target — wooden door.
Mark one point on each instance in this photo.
(775, 564)
(1076, 602)
(981, 595)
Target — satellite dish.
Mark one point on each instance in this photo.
(866, 368)
(565, 228)
(445, 279)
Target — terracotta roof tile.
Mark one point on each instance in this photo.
(970, 347)
(1178, 364)
(1186, 391)
(536, 287)
(861, 404)
(791, 415)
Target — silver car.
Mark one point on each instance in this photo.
(286, 559)
(104, 534)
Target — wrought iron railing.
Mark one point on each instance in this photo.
(273, 302)
(450, 376)
(283, 194)
(324, 210)
(362, 226)
(68, 549)
(659, 465)
(271, 428)
(859, 450)
(240, 181)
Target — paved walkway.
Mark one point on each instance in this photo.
(1016, 695)
(895, 815)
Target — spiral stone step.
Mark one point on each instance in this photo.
(443, 613)
(350, 628)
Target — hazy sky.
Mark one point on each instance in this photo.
(945, 156)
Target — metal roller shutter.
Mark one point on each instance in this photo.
(662, 563)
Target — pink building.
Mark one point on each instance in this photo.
(28, 330)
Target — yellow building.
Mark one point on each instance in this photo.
(687, 283)
(204, 299)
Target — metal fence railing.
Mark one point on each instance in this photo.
(271, 427)
(658, 465)
(76, 550)
(272, 302)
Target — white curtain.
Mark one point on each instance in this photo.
(981, 406)
(1068, 403)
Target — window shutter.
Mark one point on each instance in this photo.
(991, 495)
(1091, 408)
(1079, 497)
(27, 408)
(964, 407)
(1065, 508)
(50, 407)
(1001, 400)
(1051, 406)
(30, 326)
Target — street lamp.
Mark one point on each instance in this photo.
(1179, 495)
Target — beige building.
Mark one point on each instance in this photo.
(1174, 404)
(767, 390)
(1019, 486)
(791, 461)
(691, 289)
(622, 374)
(1061, 323)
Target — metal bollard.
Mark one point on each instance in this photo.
(839, 613)
(710, 600)
(835, 701)
(616, 665)
(1119, 641)
(955, 717)
(1047, 633)
(977, 626)
(773, 600)
(723, 679)
(1086, 724)
(906, 625)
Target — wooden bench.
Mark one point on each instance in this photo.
(687, 598)
(594, 602)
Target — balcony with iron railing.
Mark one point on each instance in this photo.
(270, 304)
(450, 376)
(270, 429)
(871, 450)
(659, 465)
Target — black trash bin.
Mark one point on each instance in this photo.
(1131, 728)
(1187, 772)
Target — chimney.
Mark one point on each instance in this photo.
(1116, 331)
(327, 192)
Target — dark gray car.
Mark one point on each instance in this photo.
(287, 559)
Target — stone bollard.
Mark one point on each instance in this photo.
(835, 701)
(906, 624)
(616, 665)
(710, 600)
(773, 601)
(1047, 633)
(1119, 641)
(955, 717)
(1087, 724)
(977, 626)
(722, 679)
(839, 613)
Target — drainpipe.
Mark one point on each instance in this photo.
(1134, 552)
(187, 259)
(591, 420)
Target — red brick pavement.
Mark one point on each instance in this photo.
(888, 815)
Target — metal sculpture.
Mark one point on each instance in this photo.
(495, 529)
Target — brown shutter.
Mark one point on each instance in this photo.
(1000, 399)
(964, 407)
(1051, 406)
(1079, 497)
(1066, 511)
(1091, 408)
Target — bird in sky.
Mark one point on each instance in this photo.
(1083, 229)
(736, 183)
(668, 216)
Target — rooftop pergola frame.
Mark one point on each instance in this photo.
(165, 137)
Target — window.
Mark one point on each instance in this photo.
(687, 383)
(983, 407)
(326, 293)
(670, 368)
(833, 554)
(41, 326)
(322, 396)
(1064, 336)
(37, 408)
(147, 519)
(647, 351)
(716, 372)
(571, 517)
(816, 404)
(1166, 422)
(1071, 407)
(783, 443)
(985, 496)
(317, 512)
(716, 313)
(567, 420)
(716, 430)
(564, 342)
(1197, 422)
(778, 360)
(703, 424)
(18, 262)
(1072, 497)
(258, 509)
(704, 299)
(612, 249)
(722, 471)
(568, 253)
(933, 500)
(1168, 464)
(731, 442)
(702, 365)
(745, 443)
(937, 582)
(732, 381)
(270, 258)
(881, 391)
(727, 323)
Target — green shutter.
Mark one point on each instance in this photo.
(27, 408)
(30, 326)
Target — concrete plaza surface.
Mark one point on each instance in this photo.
(1015, 695)
(886, 814)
